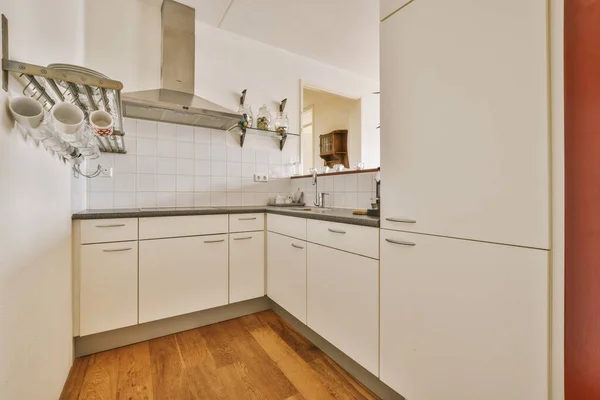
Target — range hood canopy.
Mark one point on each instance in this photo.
(175, 101)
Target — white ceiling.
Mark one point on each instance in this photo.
(343, 33)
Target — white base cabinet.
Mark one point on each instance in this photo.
(108, 287)
(343, 302)
(463, 320)
(182, 275)
(286, 273)
(246, 266)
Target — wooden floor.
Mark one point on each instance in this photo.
(258, 356)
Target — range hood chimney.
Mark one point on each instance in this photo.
(175, 101)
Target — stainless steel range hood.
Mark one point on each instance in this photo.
(175, 101)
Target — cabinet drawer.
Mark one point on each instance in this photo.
(194, 225)
(352, 238)
(288, 226)
(109, 230)
(246, 222)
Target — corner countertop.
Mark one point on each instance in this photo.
(339, 215)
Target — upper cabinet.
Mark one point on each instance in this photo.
(387, 7)
(464, 120)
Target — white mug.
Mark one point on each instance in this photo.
(67, 118)
(102, 123)
(27, 111)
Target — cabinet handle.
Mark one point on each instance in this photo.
(243, 238)
(110, 226)
(401, 242)
(116, 250)
(247, 219)
(336, 231)
(403, 220)
(214, 241)
(296, 246)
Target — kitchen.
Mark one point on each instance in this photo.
(459, 283)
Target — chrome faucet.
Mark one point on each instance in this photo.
(319, 197)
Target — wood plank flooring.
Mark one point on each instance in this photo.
(258, 356)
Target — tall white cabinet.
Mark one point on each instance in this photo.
(464, 120)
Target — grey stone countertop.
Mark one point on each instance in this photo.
(343, 216)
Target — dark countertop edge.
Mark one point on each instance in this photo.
(112, 214)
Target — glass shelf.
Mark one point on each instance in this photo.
(282, 137)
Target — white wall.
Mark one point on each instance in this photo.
(332, 112)
(35, 232)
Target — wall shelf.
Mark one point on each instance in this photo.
(243, 131)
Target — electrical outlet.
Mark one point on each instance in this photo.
(261, 178)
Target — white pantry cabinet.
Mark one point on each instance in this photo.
(464, 120)
(286, 273)
(246, 266)
(182, 275)
(343, 302)
(108, 287)
(463, 319)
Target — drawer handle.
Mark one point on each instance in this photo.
(336, 231)
(403, 220)
(214, 241)
(296, 246)
(243, 238)
(116, 250)
(247, 219)
(401, 242)
(110, 226)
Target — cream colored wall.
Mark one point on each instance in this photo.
(332, 112)
(36, 344)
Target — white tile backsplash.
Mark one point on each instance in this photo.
(344, 190)
(170, 165)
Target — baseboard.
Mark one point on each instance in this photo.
(86, 345)
(352, 367)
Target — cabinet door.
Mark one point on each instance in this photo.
(246, 266)
(464, 120)
(343, 296)
(108, 287)
(462, 319)
(182, 275)
(286, 273)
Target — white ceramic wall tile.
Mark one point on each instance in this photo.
(125, 164)
(146, 182)
(217, 138)
(234, 154)
(339, 183)
(147, 129)
(234, 184)
(248, 199)
(202, 184)
(364, 200)
(166, 199)
(248, 155)
(351, 182)
(234, 199)
(167, 131)
(130, 127)
(185, 183)
(146, 147)
(101, 184)
(365, 182)
(248, 170)
(262, 157)
(262, 169)
(351, 200)
(124, 183)
(166, 148)
(325, 184)
(166, 183)
(202, 199)
(124, 200)
(218, 153)
(185, 199)
(185, 133)
(275, 158)
(185, 166)
(146, 165)
(234, 169)
(218, 184)
(248, 185)
(218, 199)
(146, 199)
(131, 145)
(202, 151)
(339, 200)
(167, 166)
(185, 150)
(101, 200)
(218, 168)
(202, 135)
(202, 168)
